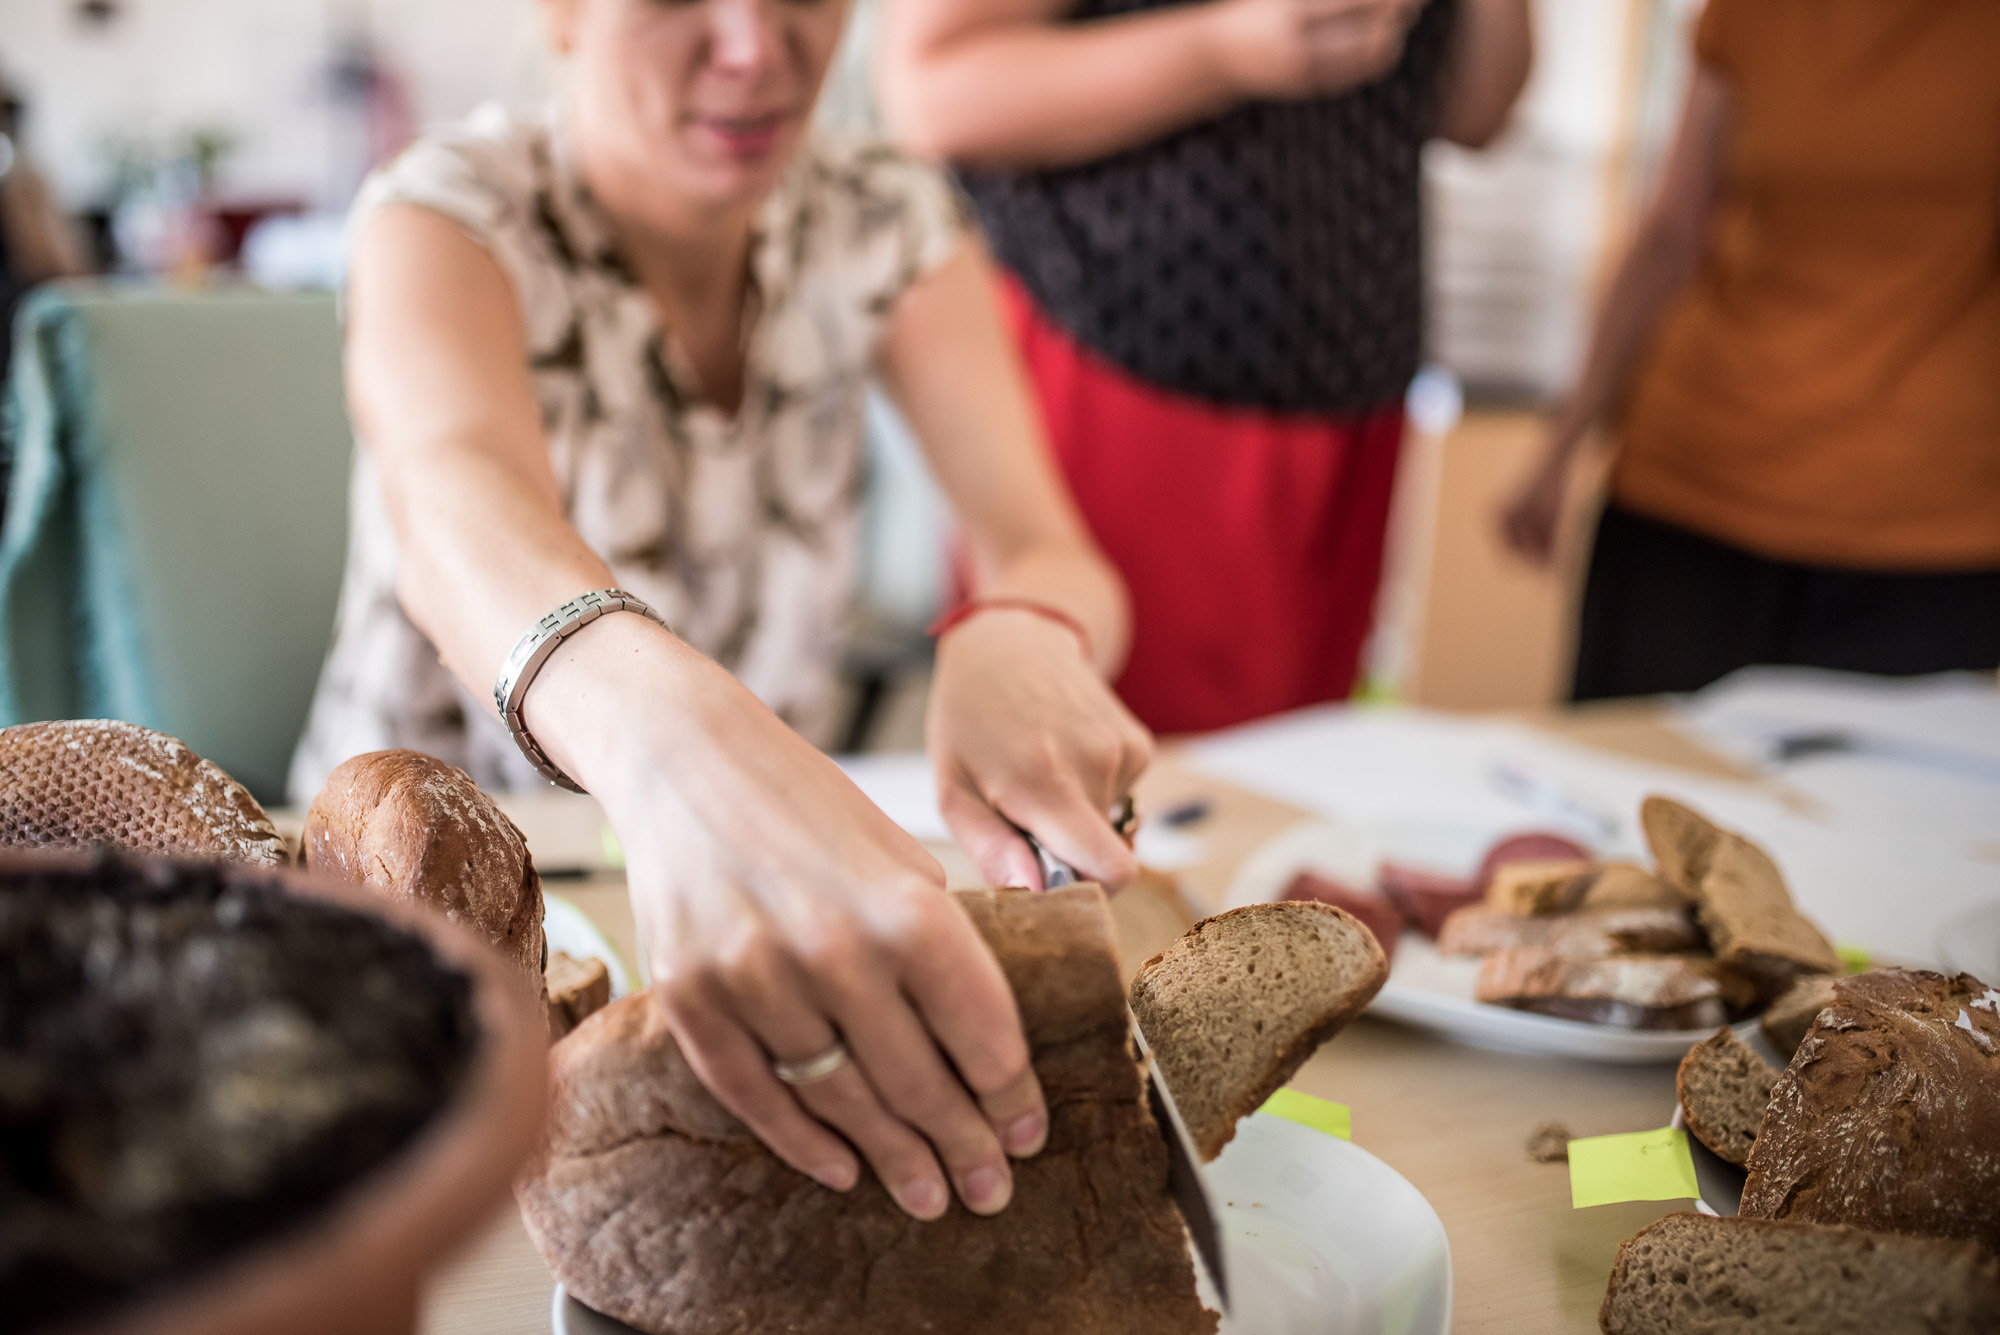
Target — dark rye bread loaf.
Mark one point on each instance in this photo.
(1236, 1006)
(410, 826)
(1785, 1021)
(76, 783)
(1739, 896)
(1692, 1274)
(1889, 1115)
(658, 1207)
(1724, 1089)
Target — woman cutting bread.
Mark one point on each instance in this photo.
(608, 368)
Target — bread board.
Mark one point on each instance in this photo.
(1323, 1238)
(1426, 989)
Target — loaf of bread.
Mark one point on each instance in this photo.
(1786, 1020)
(1889, 1115)
(1739, 896)
(1691, 1274)
(81, 782)
(416, 828)
(657, 1207)
(1725, 1089)
(1236, 1006)
(578, 989)
(1586, 934)
(1631, 991)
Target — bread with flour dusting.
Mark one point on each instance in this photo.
(1889, 1115)
(413, 827)
(76, 783)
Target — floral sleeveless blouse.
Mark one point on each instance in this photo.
(741, 531)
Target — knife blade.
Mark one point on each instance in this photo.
(1184, 1180)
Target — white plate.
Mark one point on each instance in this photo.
(1425, 988)
(1322, 1237)
(575, 935)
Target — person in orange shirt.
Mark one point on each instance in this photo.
(1802, 352)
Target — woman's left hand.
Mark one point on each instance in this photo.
(1025, 733)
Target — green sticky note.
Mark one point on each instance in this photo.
(614, 852)
(1854, 958)
(1319, 1114)
(1636, 1166)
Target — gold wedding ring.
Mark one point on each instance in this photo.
(813, 1069)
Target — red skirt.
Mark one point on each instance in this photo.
(1251, 542)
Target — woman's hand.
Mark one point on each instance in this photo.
(1307, 48)
(1025, 732)
(781, 912)
(1530, 520)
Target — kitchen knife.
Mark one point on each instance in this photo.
(1184, 1180)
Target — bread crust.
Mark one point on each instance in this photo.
(412, 827)
(656, 1206)
(75, 783)
(1889, 1115)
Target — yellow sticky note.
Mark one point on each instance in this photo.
(614, 852)
(1320, 1115)
(1636, 1166)
(1853, 957)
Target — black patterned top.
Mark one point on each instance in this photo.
(1268, 258)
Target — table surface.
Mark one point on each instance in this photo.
(1453, 1120)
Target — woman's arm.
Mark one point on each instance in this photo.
(1023, 728)
(1663, 255)
(1007, 83)
(779, 909)
(1491, 54)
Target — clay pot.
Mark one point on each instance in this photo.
(358, 1267)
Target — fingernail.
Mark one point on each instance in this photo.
(838, 1176)
(986, 1189)
(1024, 1134)
(925, 1198)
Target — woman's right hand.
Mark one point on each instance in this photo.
(1308, 48)
(1529, 522)
(782, 912)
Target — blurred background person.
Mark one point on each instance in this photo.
(1801, 356)
(1210, 218)
(37, 242)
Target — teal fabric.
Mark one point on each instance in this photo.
(176, 515)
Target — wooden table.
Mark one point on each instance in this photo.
(1453, 1120)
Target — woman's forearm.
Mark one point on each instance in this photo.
(1492, 54)
(1661, 260)
(1047, 95)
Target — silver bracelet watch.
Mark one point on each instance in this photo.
(532, 650)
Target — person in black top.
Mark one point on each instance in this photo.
(1209, 215)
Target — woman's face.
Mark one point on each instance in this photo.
(702, 99)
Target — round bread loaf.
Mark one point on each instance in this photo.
(76, 783)
(414, 827)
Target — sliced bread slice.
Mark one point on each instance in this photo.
(1692, 1274)
(1724, 1089)
(1235, 1007)
(1739, 896)
(1786, 1021)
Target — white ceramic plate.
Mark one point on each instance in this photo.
(1430, 990)
(575, 935)
(1322, 1238)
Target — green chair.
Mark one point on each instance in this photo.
(171, 548)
